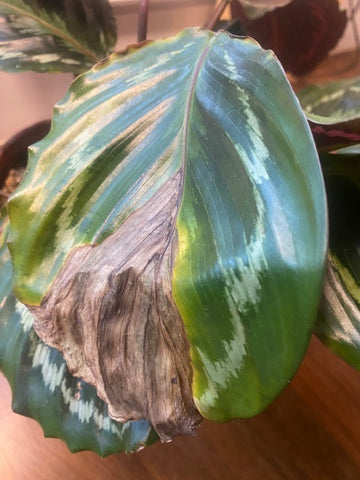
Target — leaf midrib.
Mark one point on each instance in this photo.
(52, 30)
(187, 113)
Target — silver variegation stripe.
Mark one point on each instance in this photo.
(340, 313)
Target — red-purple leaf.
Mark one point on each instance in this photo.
(301, 33)
(331, 137)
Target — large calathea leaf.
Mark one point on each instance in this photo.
(170, 234)
(62, 35)
(66, 407)
(338, 325)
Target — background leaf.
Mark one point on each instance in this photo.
(43, 388)
(301, 33)
(338, 325)
(332, 103)
(61, 36)
(329, 138)
(250, 233)
(333, 110)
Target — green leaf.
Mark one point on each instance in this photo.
(332, 103)
(59, 36)
(338, 325)
(334, 110)
(43, 388)
(177, 201)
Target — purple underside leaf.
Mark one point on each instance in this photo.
(332, 137)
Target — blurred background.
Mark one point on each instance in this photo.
(26, 98)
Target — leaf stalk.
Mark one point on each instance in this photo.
(143, 20)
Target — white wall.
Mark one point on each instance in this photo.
(166, 17)
(26, 98)
(347, 42)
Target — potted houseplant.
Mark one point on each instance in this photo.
(169, 239)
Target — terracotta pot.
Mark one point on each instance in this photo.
(14, 154)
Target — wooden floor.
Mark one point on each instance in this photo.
(312, 431)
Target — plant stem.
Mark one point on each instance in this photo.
(216, 14)
(143, 20)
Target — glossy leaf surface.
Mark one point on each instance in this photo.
(200, 132)
(43, 388)
(338, 325)
(59, 36)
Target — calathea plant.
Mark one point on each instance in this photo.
(163, 258)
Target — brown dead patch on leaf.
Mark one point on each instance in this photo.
(111, 312)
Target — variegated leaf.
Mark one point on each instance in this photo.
(338, 325)
(61, 36)
(66, 407)
(170, 234)
(334, 112)
(330, 138)
(332, 103)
